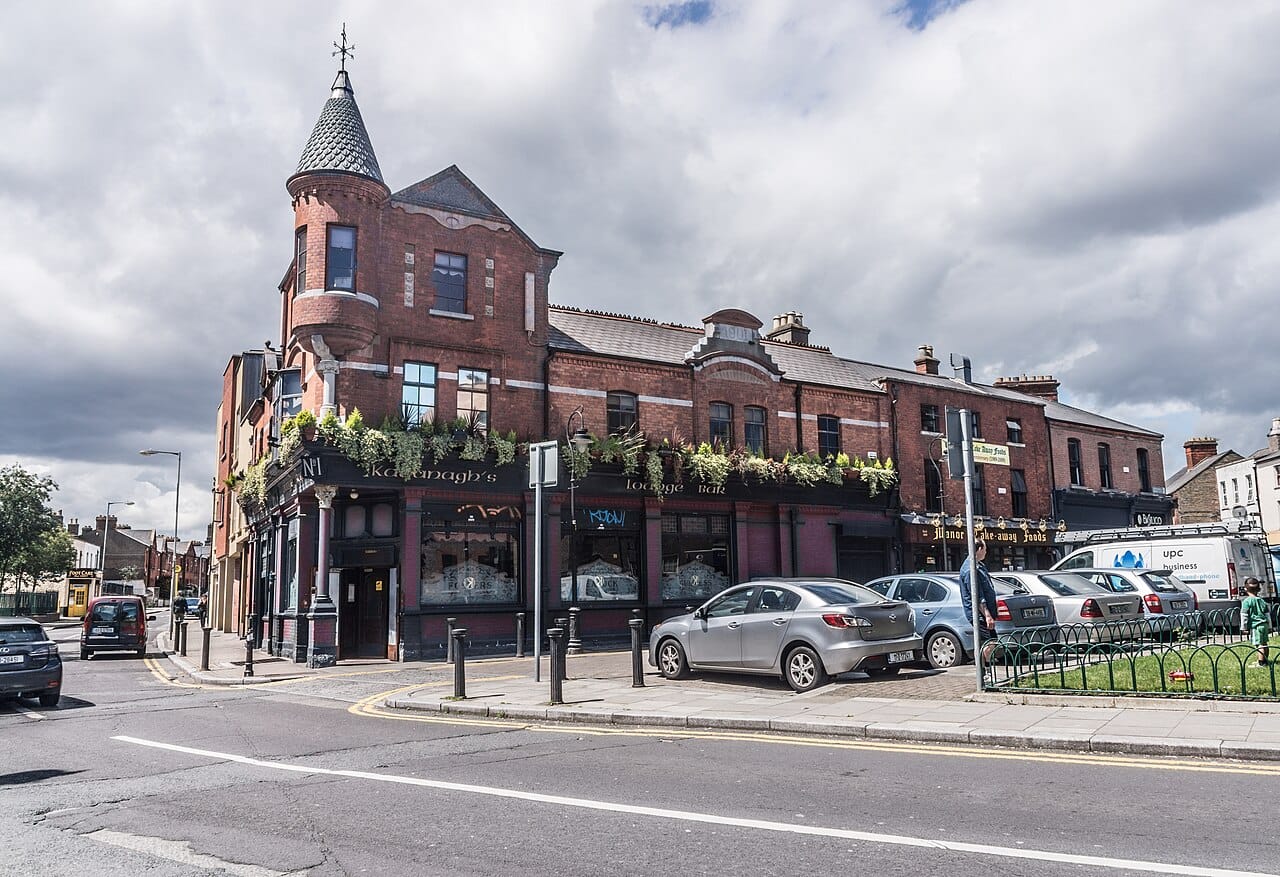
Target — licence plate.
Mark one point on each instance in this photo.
(101, 631)
(10, 659)
(1179, 604)
(900, 657)
(1034, 612)
(1116, 609)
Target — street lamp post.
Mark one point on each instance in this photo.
(106, 528)
(177, 493)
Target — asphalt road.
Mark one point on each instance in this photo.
(308, 777)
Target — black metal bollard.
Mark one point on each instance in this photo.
(248, 655)
(182, 638)
(204, 648)
(556, 636)
(459, 638)
(637, 662)
(448, 641)
(575, 631)
(519, 634)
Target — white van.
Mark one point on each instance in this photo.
(1213, 559)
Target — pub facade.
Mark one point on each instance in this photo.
(380, 477)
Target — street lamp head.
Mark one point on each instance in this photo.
(579, 439)
(151, 452)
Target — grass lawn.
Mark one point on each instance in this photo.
(1237, 673)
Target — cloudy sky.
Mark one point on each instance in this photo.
(1087, 189)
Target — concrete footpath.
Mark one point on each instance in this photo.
(916, 706)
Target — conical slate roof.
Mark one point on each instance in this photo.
(339, 141)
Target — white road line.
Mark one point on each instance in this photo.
(178, 851)
(713, 819)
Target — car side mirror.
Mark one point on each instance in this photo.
(151, 618)
(699, 612)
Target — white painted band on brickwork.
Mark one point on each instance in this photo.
(526, 385)
(364, 366)
(577, 391)
(788, 414)
(361, 296)
(663, 400)
(447, 376)
(879, 424)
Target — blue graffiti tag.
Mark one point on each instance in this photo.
(612, 517)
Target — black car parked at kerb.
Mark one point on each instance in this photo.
(29, 662)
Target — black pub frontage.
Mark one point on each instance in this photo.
(398, 559)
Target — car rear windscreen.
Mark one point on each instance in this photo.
(105, 612)
(27, 633)
(1070, 585)
(1163, 583)
(834, 595)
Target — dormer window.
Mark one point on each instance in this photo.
(340, 258)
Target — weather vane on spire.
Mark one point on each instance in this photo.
(344, 50)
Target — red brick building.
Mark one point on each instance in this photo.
(427, 309)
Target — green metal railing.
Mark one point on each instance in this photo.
(1196, 654)
(27, 603)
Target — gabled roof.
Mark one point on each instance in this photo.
(453, 191)
(339, 142)
(1184, 476)
(583, 331)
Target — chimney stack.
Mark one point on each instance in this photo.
(789, 328)
(1040, 386)
(1201, 448)
(73, 526)
(1273, 437)
(926, 363)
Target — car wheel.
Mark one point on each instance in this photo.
(50, 698)
(944, 650)
(84, 654)
(672, 663)
(803, 669)
(142, 651)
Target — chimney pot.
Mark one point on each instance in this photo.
(926, 363)
(1200, 448)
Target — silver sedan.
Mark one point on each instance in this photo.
(804, 630)
(1086, 612)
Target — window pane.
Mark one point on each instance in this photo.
(621, 410)
(600, 566)
(473, 397)
(341, 258)
(720, 424)
(469, 567)
(695, 560)
(828, 435)
(754, 429)
(449, 276)
(383, 519)
(418, 395)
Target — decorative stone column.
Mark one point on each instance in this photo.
(322, 619)
(327, 367)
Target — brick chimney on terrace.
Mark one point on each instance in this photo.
(1273, 437)
(1040, 386)
(789, 328)
(926, 362)
(1198, 449)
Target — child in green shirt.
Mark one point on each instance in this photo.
(1255, 619)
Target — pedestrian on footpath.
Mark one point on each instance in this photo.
(1254, 618)
(204, 607)
(179, 608)
(987, 607)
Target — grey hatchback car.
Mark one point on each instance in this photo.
(804, 630)
(30, 665)
(946, 629)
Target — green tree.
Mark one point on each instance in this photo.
(25, 519)
(48, 556)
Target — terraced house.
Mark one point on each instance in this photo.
(427, 310)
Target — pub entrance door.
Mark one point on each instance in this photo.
(363, 617)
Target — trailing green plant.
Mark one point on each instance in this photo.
(376, 447)
(709, 464)
(577, 462)
(252, 487)
(805, 470)
(624, 447)
(504, 447)
(440, 445)
(289, 442)
(654, 473)
(329, 427)
(878, 476)
(474, 447)
(409, 449)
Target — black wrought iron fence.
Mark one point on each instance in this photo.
(1191, 654)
